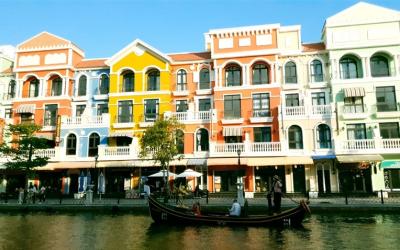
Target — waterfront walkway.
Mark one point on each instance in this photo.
(372, 203)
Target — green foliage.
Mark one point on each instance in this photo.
(20, 152)
(159, 142)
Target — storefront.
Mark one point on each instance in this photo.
(391, 173)
(264, 177)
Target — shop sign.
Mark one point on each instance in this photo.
(390, 164)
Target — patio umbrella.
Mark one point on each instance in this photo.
(101, 184)
(189, 173)
(81, 183)
(88, 180)
(162, 173)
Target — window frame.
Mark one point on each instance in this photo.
(393, 106)
(297, 137)
(181, 80)
(36, 83)
(315, 66)
(82, 86)
(71, 144)
(204, 79)
(102, 82)
(151, 116)
(232, 113)
(50, 115)
(375, 72)
(93, 144)
(128, 81)
(264, 109)
(324, 136)
(125, 111)
(233, 76)
(259, 71)
(291, 73)
(153, 80)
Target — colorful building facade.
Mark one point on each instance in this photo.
(257, 102)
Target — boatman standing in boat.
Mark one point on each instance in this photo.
(277, 189)
(235, 209)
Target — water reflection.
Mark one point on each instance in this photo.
(128, 231)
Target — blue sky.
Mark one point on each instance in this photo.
(103, 27)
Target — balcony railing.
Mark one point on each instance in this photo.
(227, 148)
(355, 109)
(260, 113)
(302, 111)
(261, 147)
(391, 143)
(294, 111)
(192, 116)
(321, 110)
(376, 146)
(48, 152)
(83, 120)
(358, 144)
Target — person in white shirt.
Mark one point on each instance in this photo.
(235, 209)
(146, 189)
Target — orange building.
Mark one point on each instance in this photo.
(44, 68)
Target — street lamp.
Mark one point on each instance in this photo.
(238, 153)
(239, 183)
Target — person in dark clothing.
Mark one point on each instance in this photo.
(277, 189)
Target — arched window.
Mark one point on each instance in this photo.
(11, 89)
(104, 85)
(181, 80)
(260, 74)
(350, 67)
(94, 141)
(56, 86)
(316, 71)
(82, 86)
(324, 136)
(180, 141)
(204, 79)
(290, 73)
(71, 144)
(295, 137)
(233, 76)
(202, 143)
(34, 88)
(379, 66)
(153, 80)
(128, 84)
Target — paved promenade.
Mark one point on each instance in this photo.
(318, 204)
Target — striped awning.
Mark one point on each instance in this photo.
(232, 131)
(26, 108)
(354, 92)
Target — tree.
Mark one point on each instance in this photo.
(20, 152)
(159, 142)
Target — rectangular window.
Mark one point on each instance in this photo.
(318, 98)
(34, 89)
(26, 118)
(354, 104)
(50, 115)
(79, 110)
(205, 104)
(356, 131)
(262, 134)
(389, 130)
(261, 105)
(232, 107)
(102, 109)
(125, 111)
(386, 99)
(292, 100)
(56, 87)
(151, 110)
(8, 113)
(181, 106)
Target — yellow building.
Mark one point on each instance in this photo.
(139, 90)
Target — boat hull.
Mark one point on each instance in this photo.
(165, 214)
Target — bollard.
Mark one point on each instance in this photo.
(346, 201)
(382, 196)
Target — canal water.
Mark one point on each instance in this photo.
(136, 231)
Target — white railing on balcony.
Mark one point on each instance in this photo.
(228, 148)
(391, 144)
(321, 110)
(260, 113)
(294, 111)
(49, 152)
(365, 144)
(192, 116)
(355, 109)
(117, 151)
(260, 147)
(83, 120)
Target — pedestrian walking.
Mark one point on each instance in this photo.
(21, 192)
(42, 194)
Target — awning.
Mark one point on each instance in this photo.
(276, 161)
(232, 131)
(120, 134)
(390, 164)
(26, 108)
(67, 165)
(358, 158)
(226, 161)
(354, 92)
(196, 162)
(323, 157)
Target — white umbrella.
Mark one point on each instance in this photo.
(162, 173)
(189, 173)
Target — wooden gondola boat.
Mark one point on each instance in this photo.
(162, 213)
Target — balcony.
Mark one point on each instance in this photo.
(294, 111)
(258, 116)
(117, 153)
(192, 117)
(85, 121)
(355, 111)
(321, 110)
(247, 149)
(304, 112)
(375, 146)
